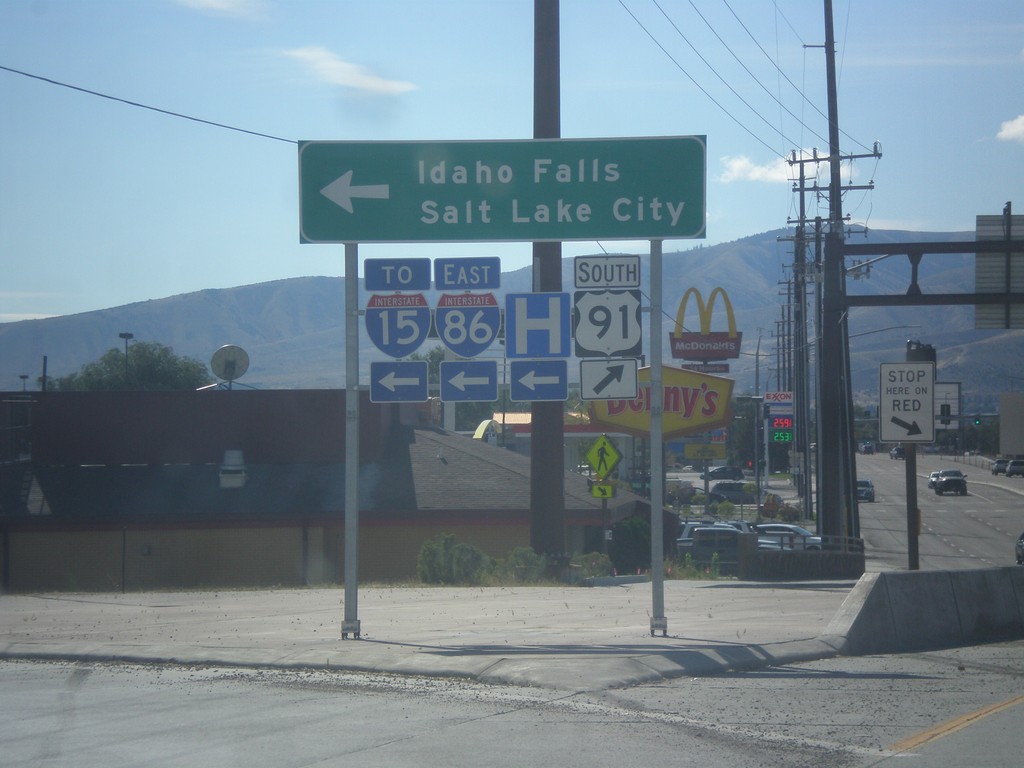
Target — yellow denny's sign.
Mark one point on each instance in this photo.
(708, 344)
(692, 402)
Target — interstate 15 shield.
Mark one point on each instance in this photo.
(397, 324)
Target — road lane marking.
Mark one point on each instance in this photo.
(952, 726)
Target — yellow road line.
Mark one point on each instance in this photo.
(952, 726)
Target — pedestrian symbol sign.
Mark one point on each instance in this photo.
(603, 457)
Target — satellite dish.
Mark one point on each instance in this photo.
(229, 362)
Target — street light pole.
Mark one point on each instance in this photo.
(127, 337)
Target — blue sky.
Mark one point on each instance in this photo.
(103, 203)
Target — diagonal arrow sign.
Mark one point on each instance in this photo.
(531, 380)
(614, 374)
(391, 381)
(912, 428)
(341, 191)
(461, 381)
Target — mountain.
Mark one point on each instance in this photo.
(293, 330)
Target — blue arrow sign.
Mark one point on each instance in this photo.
(467, 323)
(469, 381)
(398, 324)
(398, 381)
(396, 274)
(537, 325)
(538, 380)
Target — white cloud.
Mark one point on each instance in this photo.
(329, 68)
(241, 9)
(1012, 130)
(740, 168)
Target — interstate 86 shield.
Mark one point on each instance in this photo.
(467, 323)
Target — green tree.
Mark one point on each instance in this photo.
(148, 365)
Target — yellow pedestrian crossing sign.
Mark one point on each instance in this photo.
(603, 457)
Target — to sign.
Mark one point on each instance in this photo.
(398, 324)
(607, 323)
(906, 407)
(396, 274)
(467, 322)
(489, 191)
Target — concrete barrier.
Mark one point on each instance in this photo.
(897, 612)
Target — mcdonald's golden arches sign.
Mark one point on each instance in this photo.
(706, 344)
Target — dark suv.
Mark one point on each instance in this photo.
(733, 492)
(723, 473)
(951, 481)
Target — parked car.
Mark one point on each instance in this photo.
(932, 478)
(790, 536)
(999, 466)
(897, 452)
(1020, 549)
(865, 490)
(867, 448)
(731, 491)
(951, 481)
(723, 473)
(1015, 467)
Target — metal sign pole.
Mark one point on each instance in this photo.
(350, 624)
(658, 620)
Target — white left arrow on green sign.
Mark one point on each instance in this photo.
(342, 190)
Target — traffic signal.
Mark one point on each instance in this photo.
(977, 421)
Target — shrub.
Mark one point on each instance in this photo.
(592, 564)
(444, 561)
(522, 565)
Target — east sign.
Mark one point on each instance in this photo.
(491, 191)
(692, 403)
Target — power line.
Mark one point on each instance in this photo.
(145, 106)
(701, 88)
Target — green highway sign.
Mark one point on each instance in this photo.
(491, 191)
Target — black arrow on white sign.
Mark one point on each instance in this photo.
(614, 374)
(912, 428)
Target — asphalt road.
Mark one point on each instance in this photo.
(955, 708)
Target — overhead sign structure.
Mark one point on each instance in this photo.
(397, 381)
(536, 380)
(906, 405)
(593, 272)
(607, 323)
(398, 324)
(473, 381)
(537, 325)
(608, 378)
(480, 191)
(467, 323)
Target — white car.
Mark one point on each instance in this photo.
(791, 536)
(932, 478)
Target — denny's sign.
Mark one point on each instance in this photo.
(707, 344)
(692, 402)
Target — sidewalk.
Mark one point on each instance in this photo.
(573, 638)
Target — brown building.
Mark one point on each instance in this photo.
(148, 490)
